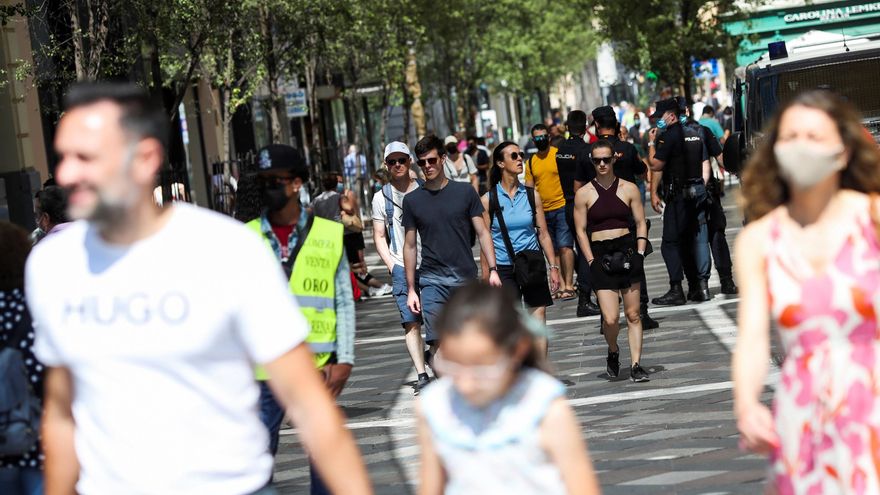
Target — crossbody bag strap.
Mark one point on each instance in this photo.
(494, 204)
(300, 240)
(530, 194)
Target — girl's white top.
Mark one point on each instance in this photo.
(496, 449)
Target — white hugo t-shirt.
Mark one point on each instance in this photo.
(379, 215)
(161, 338)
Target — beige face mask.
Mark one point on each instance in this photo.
(805, 165)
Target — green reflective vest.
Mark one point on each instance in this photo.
(313, 283)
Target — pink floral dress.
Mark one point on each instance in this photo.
(827, 408)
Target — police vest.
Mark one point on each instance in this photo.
(313, 283)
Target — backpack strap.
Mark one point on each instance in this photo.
(389, 215)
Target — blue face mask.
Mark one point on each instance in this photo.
(661, 124)
(377, 187)
(683, 119)
(340, 187)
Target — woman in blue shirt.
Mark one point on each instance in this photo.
(526, 228)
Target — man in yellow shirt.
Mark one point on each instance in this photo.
(543, 174)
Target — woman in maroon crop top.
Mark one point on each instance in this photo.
(604, 210)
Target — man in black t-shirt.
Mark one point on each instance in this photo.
(680, 157)
(442, 213)
(572, 155)
(628, 166)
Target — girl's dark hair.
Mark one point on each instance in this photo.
(496, 312)
(763, 188)
(329, 181)
(15, 246)
(498, 156)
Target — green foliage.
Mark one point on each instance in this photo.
(663, 36)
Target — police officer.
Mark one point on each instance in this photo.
(310, 251)
(573, 155)
(680, 156)
(716, 220)
(629, 167)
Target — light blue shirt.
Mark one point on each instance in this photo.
(518, 219)
(344, 299)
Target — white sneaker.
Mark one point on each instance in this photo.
(374, 291)
(387, 289)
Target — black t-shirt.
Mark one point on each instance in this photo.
(713, 146)
(628, 165)
(572, 156)
(670, 150)
(443, 221)
(695, 151)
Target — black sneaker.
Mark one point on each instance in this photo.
(649, 323)
(675, 297)
(638, 374)
(613, 366)
(429, 361)
(728, 287)
(586, 307)
(423, 382)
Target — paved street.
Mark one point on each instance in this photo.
(674, 434)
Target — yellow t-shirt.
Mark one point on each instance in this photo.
(546, 179)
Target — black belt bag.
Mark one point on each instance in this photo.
(617, 262)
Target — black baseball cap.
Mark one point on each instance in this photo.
(279, 157)
(601, 112)
(663, 106)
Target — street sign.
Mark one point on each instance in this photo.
(296, 103)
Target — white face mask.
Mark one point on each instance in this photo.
(805, 165)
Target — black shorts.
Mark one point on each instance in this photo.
(353, 242)
(534, 297)
(599, 279)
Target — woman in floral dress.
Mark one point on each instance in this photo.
(811, 258)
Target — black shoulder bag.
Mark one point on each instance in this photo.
(529, 268)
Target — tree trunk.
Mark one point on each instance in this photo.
(406, 113)
(383, 126)
(277, 136)
(78, 48)
(311, 67)
(415, 89)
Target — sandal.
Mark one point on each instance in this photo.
(567, 295)
(556, 295)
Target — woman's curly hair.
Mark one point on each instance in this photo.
(764, 189)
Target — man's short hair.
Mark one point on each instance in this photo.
(329, 180)
(577, 122)
(481, 140)
(141, 118)
(606, 121)
(428, 143)
(53, 202)
(708, 110)
(538, 127)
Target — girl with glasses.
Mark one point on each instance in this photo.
(603, 211)
(496, 422)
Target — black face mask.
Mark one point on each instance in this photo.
(452, 148)
(471, 148)
(541, 142)
(274, 197)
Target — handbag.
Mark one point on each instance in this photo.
(617, 263)
(529, 268)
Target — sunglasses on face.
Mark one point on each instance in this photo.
(602, 160)
(274, 181)
(429, 161)
(515, 156)
(392, 162)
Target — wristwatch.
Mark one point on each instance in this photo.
(650, 143)
(554, 267)
(493, 268)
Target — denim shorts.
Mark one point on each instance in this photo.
(558, 229)
(398, 281)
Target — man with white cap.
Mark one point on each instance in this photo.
(389, 235)
(459, 167)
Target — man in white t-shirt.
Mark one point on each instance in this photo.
(389, 236)
(151, 344)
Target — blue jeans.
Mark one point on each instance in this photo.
(558, 229)
(21, 481)
(400, 292)
(433, 298)
(271, 414)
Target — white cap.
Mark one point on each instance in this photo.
(450, 140)
(396, 147)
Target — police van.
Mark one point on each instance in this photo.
(848, 66)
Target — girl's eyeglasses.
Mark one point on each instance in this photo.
(485, 372)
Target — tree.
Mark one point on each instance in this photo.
(665, 36)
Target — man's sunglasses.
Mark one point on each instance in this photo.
(392, 162)
(274, 181)
(602, 160)
(429, 161)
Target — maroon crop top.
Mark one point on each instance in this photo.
(608, 212)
